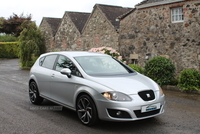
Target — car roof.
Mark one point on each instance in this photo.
(76, 53)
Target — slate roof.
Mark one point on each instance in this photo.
(54, 23)
(141, 3)
(125, 14)
(149, 1)
(159, 2)
(79, 19)
(112, 12)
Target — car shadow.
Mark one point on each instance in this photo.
(69, 116)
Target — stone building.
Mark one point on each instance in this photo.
(101, 28)
(162, 28)
(49, 27)
(82, 31)
(68, 35)
(169, 28)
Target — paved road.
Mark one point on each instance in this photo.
(19, 116)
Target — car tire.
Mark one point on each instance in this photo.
(34, 94)
(86, 110)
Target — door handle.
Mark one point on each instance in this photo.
(53, 75)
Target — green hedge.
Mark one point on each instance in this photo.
(9, 50)
(160, 69)
(136, 68)
(189, 79)
(7, 38)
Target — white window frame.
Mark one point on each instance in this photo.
(177, 15)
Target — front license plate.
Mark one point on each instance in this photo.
(150, 107)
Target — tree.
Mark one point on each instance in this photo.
(1, 22)
(12, 25)
(31, 44)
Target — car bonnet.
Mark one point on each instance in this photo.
(127, 84)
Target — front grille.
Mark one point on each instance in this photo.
(147, 95)
(139, 114)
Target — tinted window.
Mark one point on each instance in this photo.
(64, 62)
(49, 61)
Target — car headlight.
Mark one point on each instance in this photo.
(160, 91)
(116, 96)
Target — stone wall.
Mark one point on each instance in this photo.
(67, 37)
(48, 33)
(149, 32)
(99, 32)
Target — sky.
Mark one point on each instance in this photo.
(55, 8)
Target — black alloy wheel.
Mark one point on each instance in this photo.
(34, 94)
(86, 110)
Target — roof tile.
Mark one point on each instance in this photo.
(54, 23)
(112, 12)
(79, 19)
(149, 1)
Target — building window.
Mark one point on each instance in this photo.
(177, 14)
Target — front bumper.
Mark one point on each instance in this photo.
(129, 110)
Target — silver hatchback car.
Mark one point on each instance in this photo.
(96, 86)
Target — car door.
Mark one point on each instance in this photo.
(62, 87)
(44, 75)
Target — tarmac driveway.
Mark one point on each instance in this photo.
(19, 116)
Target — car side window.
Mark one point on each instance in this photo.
(49, 61)
(64, 62)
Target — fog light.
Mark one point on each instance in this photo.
(118, 113)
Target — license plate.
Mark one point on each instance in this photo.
(150, 107)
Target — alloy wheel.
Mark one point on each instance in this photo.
(86, 110)
(34, 94)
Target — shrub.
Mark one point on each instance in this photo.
(31, 44)
(136, 68)
(160, 69)
(174, 82)
(189, 79)
(29, 64)
(7, 38)
(9, 50)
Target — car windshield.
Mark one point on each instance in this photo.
(101, 65)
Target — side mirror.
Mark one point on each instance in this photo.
(66, 71)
